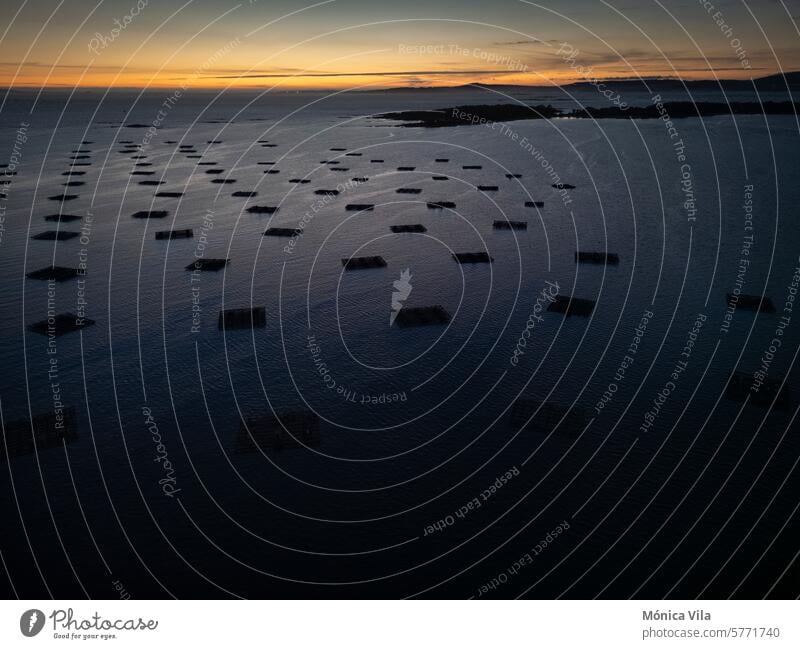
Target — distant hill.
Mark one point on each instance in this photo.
(773, 82)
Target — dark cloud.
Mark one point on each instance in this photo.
(529, 41)
(405, 73)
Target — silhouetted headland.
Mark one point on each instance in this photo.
(483, 114)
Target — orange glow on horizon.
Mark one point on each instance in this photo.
(352, 44)
(311, 82)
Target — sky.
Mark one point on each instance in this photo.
(334, 44)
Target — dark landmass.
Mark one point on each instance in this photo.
(769, 83)
(483, 114)
(772, 82)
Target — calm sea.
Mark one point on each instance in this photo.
(419, 483)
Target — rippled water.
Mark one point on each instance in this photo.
(415, 422)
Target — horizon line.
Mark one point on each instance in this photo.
(197, 87)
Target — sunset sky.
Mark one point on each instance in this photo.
(364, 43)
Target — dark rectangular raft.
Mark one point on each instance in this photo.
(261, 209)
(55, 235)
(739, 388)
(512, 176)
(472, 257)
(326, 192)
(244, 194)
(57, 273)
(547, 419)
(406, 168)
(440, 205)
(510, 225)
(243, 318)
(175, 234)
(150, 214)
(274, 433)
(282, 232)
(472, 167)
(359, 207)
(440, 178)
(422, 316)
(596, 258)
(43, 431)
(571, 305)
(442, 160)
(62, 218)
(299, 181)
(169, 194)
(415, 227)
(409, 190)
(206, 263)
(487, 188)
(534, 203)
(752, 302)
(360, 263)
(61, 324)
